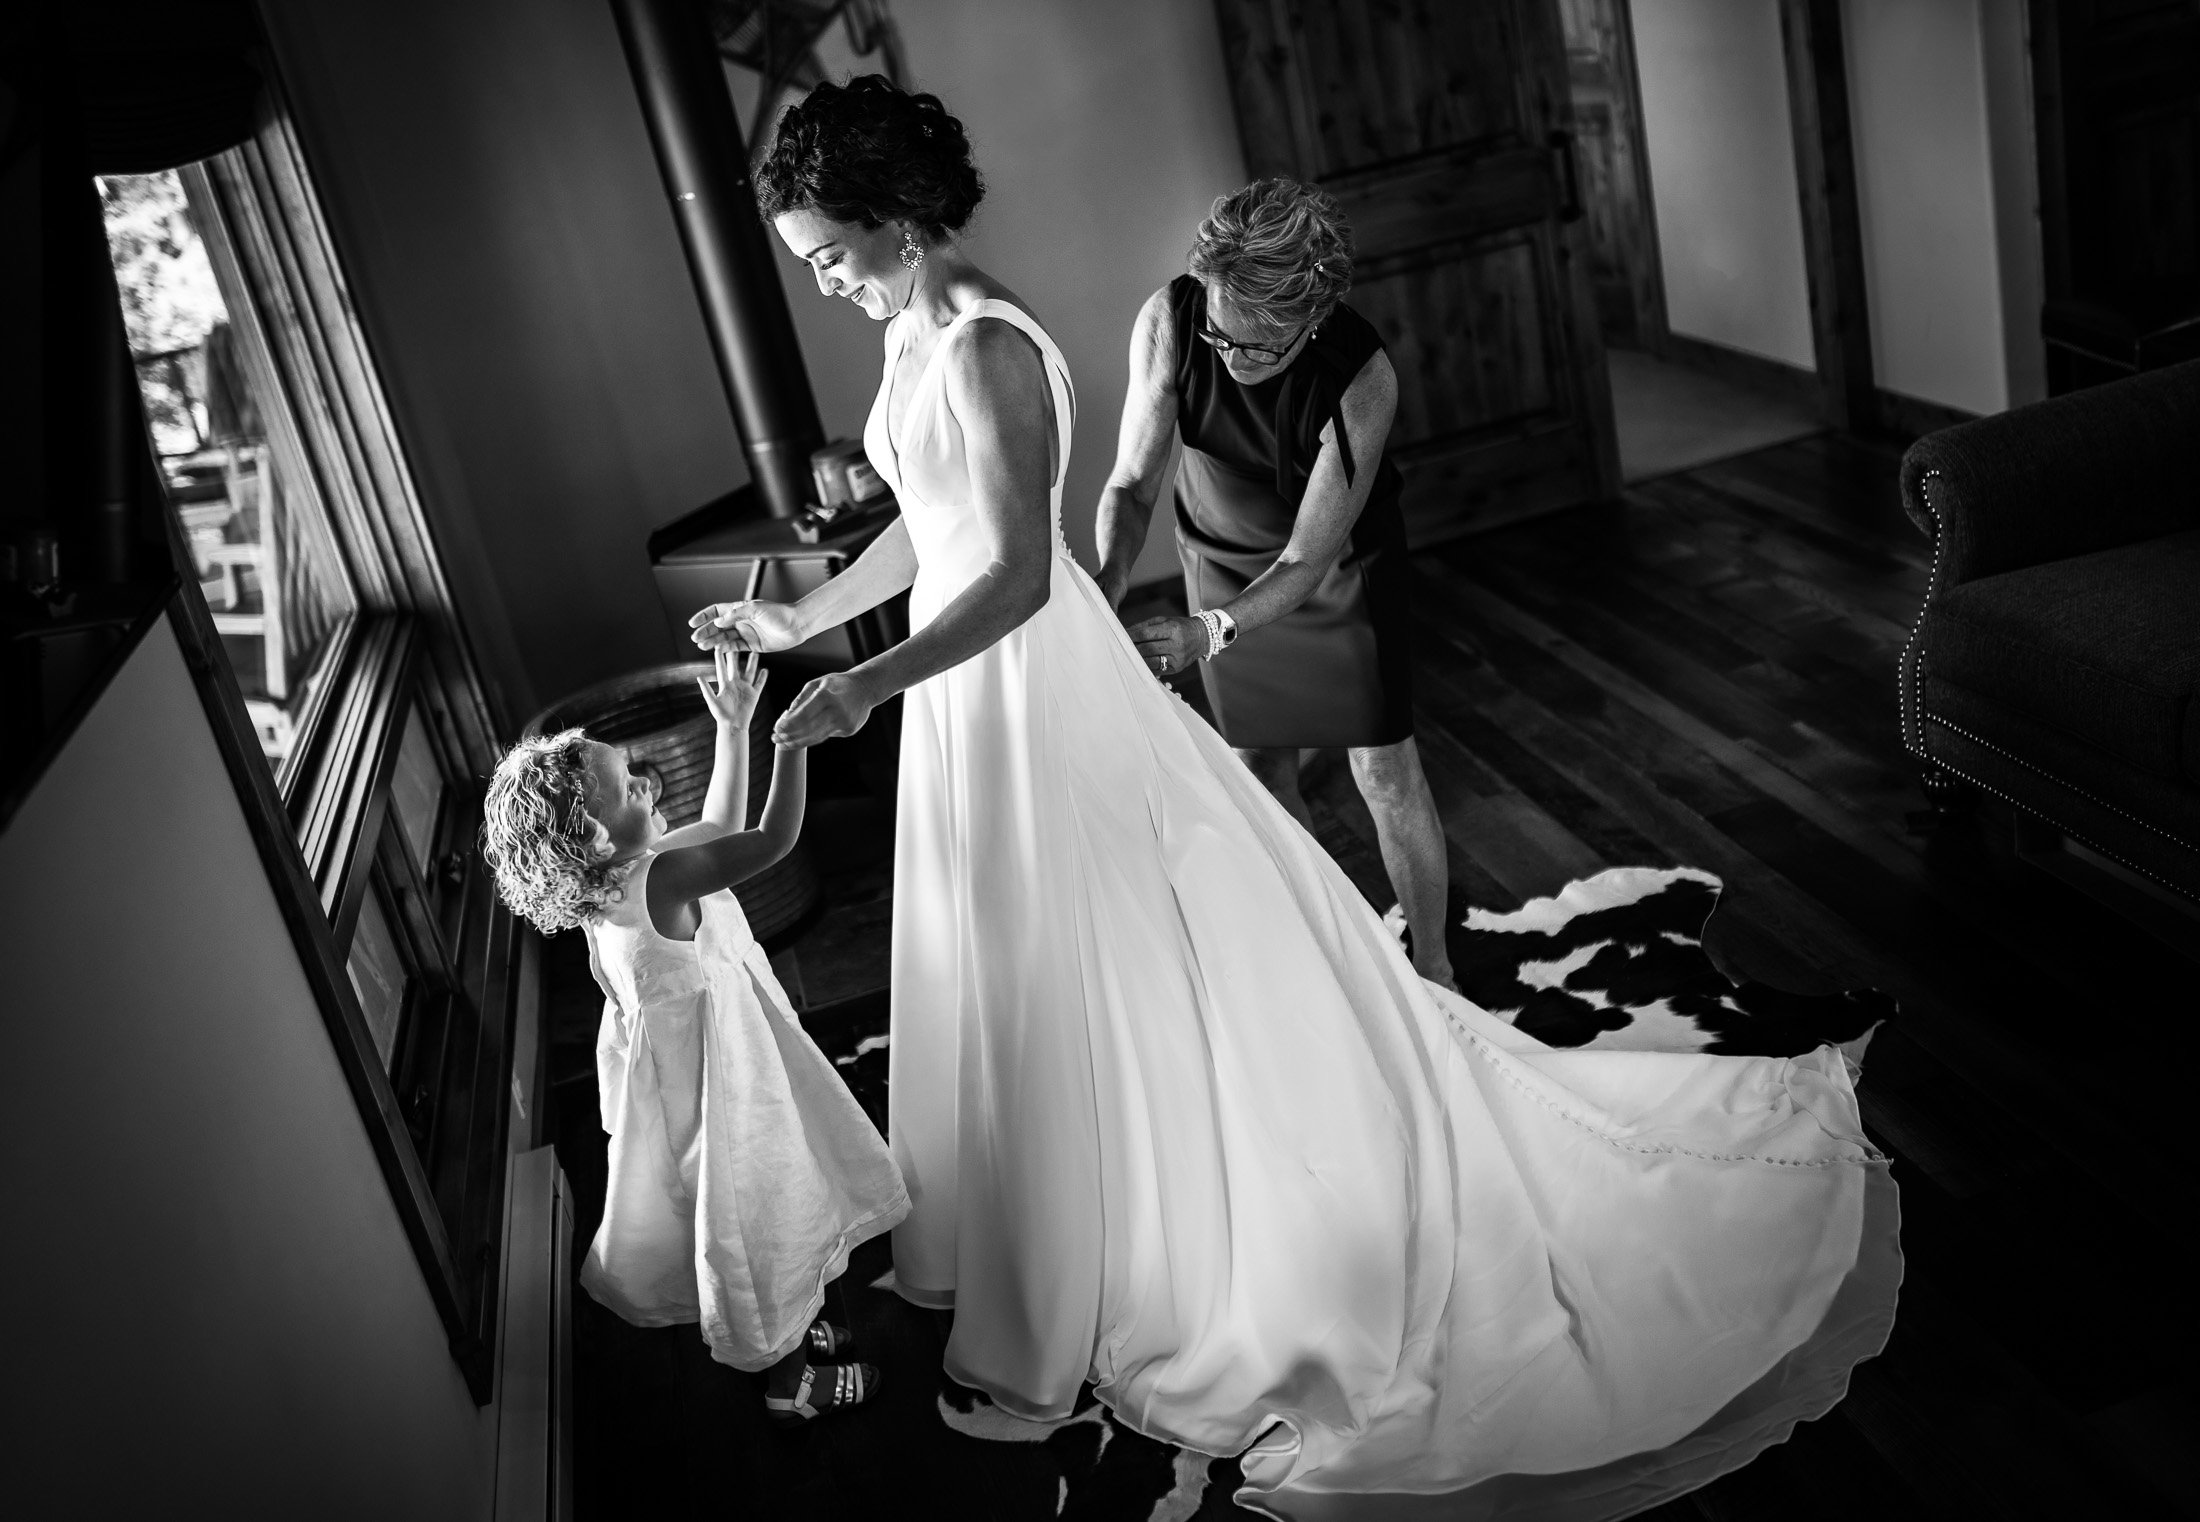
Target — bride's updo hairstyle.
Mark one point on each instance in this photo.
(1280, 250)
(868, 152)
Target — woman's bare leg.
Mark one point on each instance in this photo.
(1411, 836)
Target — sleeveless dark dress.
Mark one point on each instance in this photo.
(1337, 670)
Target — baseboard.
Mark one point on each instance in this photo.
(1908, 417)
(2161, 912)
(1772, 377)
(1912, 418)
(535, 1367)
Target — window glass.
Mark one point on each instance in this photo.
(417, 789)
(378, 974)
(266, 561)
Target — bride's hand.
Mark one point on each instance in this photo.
(829, 707)
(746, 626)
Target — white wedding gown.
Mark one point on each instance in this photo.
(1177, 1117)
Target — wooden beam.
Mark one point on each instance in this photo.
(1833, 233)
(1648, 272)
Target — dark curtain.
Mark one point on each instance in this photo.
(162, 84)
(96, 87)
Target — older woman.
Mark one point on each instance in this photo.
(1287, 519)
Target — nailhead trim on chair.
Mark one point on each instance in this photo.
(1909, 670)
(1909, 697)
(2089, 844)
(2059, 782)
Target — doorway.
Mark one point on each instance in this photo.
(1734, 377)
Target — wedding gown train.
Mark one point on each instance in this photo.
(1177, 1117)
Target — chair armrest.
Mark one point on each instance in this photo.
(2089, 471)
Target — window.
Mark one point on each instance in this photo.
(267, 564)
(327, 627)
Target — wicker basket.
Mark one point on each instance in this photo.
(658, 715)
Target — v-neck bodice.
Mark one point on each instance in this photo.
(925, 463)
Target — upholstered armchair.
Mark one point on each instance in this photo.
(2056, 661)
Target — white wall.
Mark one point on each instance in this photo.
(498, 209)
(213, 1309)
(1941, 110)
(1103, 133)
(1722, 175)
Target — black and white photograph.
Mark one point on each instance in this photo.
(1110, 760)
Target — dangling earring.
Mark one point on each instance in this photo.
(912, 252)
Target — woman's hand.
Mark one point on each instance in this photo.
(1169, 645)
(755, 626)
(831, 706)
(740, 684)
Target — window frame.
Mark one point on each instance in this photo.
(326, 827)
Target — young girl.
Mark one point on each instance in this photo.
(742, 1169)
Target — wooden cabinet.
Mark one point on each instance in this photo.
(2117, 84)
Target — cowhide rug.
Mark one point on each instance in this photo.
(1614, 961)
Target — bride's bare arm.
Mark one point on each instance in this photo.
(888, 565)
(997, 385)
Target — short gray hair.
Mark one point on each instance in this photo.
(1280, 249)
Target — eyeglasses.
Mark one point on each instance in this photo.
(1223, 343)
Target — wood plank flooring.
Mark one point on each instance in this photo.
(1701, 675)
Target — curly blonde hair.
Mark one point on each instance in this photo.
(551, 856)
(1280, 250)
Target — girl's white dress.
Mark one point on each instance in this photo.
(742, 1169)
(1177, 1117)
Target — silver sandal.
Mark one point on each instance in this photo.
(825, 1342)
(852, 1385)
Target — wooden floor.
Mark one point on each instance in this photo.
(1701, 675)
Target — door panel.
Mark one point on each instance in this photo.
(1464, 336)
(1399, 209)
(1437, 127)
(1390, 82)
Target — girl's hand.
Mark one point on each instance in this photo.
(747, 626)
(740, 683)
(831, 706)
(1169, 645)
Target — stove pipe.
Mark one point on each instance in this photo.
(682, 85)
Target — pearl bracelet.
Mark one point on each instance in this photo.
(1214, 621)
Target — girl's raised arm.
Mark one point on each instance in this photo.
(685, 873)
(732, 701)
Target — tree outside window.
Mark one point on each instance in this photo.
(266, 562)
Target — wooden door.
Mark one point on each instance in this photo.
(1438, 124)
(1609, 149)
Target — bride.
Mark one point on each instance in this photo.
(1175, 1114)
